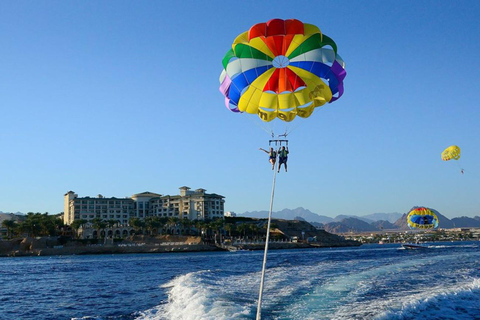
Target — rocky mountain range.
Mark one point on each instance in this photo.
(367, 223)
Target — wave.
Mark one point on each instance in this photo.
(395, 288)
(196, 296)
(372, 290)
(206, 295)
(458, 302)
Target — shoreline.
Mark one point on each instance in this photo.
(29, 247)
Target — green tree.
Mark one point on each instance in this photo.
(229, 227)
(76, 224)
(200, 226)
(172, 224)
(152, 224)
(99, 225)
(137, 224)
(217, 226)
(111, 223)
(11, 226)
(32, 224)
(48, 224)
(187, 223)
(163, 224)
(242, 229)
(254, 230)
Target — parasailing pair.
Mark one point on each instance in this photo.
(281, 69)
(452, 153)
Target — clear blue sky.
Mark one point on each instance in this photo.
(121, 97)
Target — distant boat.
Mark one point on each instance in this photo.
(235, 249)
(411, 246)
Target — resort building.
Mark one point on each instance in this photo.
(192, 205)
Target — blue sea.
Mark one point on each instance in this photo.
(367, 282)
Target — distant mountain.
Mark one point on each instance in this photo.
(311, 217)
(10, 216)
(370, 218)
(15, 213)
(289, 214)
(401, 223)
(390, 217)
(383, 225)
(349, 225)
(367, 223)
(342, 217)
(465, 222)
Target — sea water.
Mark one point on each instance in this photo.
(367, 282)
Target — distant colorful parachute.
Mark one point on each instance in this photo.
(452, 152)
(281, 69)
(422, 218)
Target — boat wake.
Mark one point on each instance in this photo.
(439, 303)
(198, 296)
(398, 287)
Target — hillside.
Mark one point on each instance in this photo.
(289, 214)
(353, 223)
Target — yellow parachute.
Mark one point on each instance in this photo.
(452, 152)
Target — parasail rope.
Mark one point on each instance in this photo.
(259, 307)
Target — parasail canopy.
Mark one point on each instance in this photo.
(452, 152)
(422, 218)
(281, 69)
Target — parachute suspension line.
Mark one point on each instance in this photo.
(298, 124)
(260, 293)
(269, 132)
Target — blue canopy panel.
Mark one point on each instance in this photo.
(243, 80)
(321, 70)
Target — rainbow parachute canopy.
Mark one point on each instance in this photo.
(281, 69)
(422, 218)
(452, 152)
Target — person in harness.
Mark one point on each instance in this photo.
(282, 158)
(272, 156)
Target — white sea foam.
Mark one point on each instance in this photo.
(355, 294)
(459, 301)
(203, 295)
(342, 289)
(195, 297)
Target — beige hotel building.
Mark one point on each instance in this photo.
(193, 205)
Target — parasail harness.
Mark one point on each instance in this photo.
(278, 142)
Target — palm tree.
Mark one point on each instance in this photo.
(99, 225)
(254, 230)
(137, 224)
(32, 224)
(200, 225)
(48, 225)
(242, 228)
(187, 223)
(172, 223)
(217, 226)
(163, 224)
(10, 225)
(110, 224)
(229, 227)
(76, 224)
(152, 223)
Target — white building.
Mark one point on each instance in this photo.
(193, 205)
